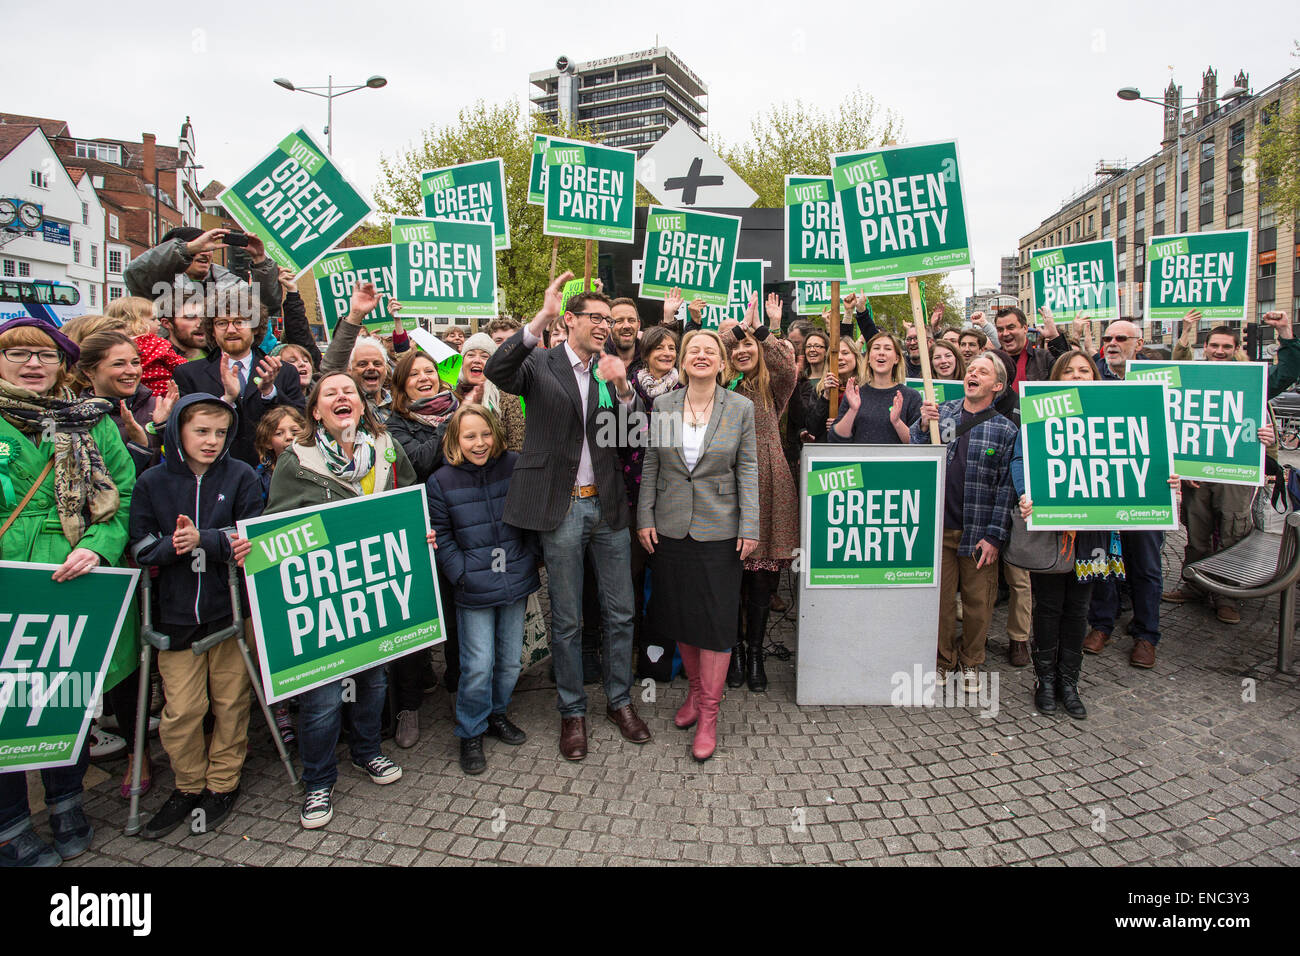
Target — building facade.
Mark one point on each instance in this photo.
(1009, 281)
(630, 100)
(1214, 166)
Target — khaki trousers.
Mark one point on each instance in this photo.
(1020, 602)
(192, 684)
(1211, 507)
(979, 590)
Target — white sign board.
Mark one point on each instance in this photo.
(681, 170)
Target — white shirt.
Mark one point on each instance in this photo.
(246, 363)
(582, 375)
(692, 440)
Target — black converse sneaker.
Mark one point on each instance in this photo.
(317, 808)
(381, 769)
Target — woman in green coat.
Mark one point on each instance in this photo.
(77, 519)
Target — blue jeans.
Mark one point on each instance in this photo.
(62, 792)
(320, 714)
(611, 553)
(491, 645)
(1145, 580)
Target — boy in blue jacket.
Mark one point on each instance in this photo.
(179, 514)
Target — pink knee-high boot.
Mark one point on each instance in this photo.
(690, 709)
(713, 680)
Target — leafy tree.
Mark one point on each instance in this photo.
(1278, 156)
(485, 131)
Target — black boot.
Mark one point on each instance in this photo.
(1045, 684)
(1069, 663)
(755, 632)
(736, 667)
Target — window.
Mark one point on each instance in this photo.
(1123, 261)
(115, 292)
(94, 256)
(1123, 193)
(1105, 203)
(1140, 219)
(1182, 169)
(1089, 225)
(1105, 231)
(40, 180)
(1207, 192)
(92, 294)
(1237, 134)
(1139, 256)
(10, 268)
(112, 227)
(1207, 149)
(1267, 216)
(101, 151)
(1140, 186)
(1159, 214)
(76, 250)
(1234, 220)
(24, 270)
(1267, 270)
(1160, 174)
(1263, 307)
(85, 214)
(115, 261)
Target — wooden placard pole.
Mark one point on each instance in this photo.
(586, 266)
(921, 325)
(555, 253)
(833, 350)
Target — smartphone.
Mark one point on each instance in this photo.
(235, 239)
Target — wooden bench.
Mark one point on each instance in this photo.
(1264, 564)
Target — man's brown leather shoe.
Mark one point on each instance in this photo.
(1228, 613)
(573, 737)
(1019, 654)
(631, 726)
(1144, 654)
(1095, 641)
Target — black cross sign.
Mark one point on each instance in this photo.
(692, 181)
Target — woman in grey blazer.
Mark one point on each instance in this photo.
(697, 516)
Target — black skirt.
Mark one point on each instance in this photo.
(695, 592)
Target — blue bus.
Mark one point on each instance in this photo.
(53, 302)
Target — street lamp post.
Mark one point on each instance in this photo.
(374, 83)
(1131, 93)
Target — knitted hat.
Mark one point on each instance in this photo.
(479, 340)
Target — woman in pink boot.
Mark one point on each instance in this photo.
(697, 516)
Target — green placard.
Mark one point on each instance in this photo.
(691, 250)
(1097, 455)
(944, 391)
(746, 279)
(814, 241)
(1076, 280)
(57, 640)
(297, 202)
(444, 267)
(1215, 410)
(872, 522)
(471, 192)
(537, 168)
(340, 272)
(902, 209)
(590, 191)
(813, 296)
(1206, 271)
(340, 588)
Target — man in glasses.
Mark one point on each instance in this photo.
(246, 377)
(1213, 506)
(568, 486)
(183, 261)
(1121, 342)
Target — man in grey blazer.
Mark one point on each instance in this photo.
(568, 486)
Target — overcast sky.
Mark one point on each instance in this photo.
(1027, 89)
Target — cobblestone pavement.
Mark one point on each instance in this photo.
(1178, 765)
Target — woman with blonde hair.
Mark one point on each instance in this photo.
(766, 369)
(879, 409)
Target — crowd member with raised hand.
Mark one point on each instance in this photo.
(158, 358)
(767, 378)
(423, 404)
(694, 312)
(493, 566)
(850, 366)
(182, 509)
(66, 502)
(1122, 342)
(297, 330)
(181, 266)
(946, 362)
(977, 505)
(346, 453)
(567, 485)
(971, 343)
(475, 388)
(879, 408)
(364, 357)
(698, 517)
(238, 371)
(1212, 507)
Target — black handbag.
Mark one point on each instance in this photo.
(1043, 552)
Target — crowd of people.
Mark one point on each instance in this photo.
(140, 437)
